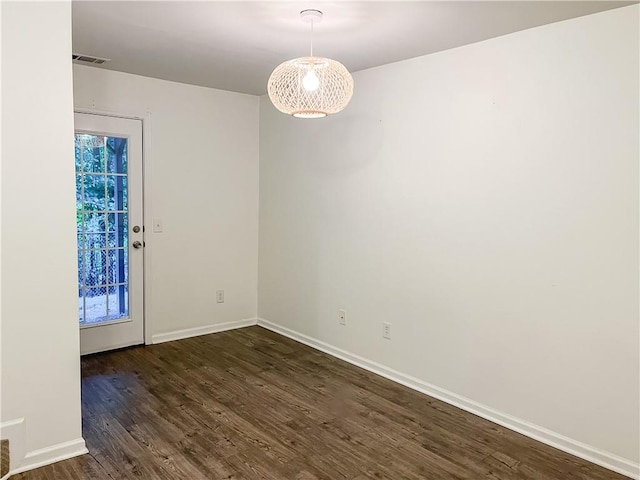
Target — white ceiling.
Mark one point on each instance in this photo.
(234, 45)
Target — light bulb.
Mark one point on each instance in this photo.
(310, 81)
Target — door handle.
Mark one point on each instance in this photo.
(137, 244)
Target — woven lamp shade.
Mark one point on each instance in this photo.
(310, 87)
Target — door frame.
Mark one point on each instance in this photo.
(145, 119)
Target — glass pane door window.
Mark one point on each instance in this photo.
(102, 226)
(110, 230)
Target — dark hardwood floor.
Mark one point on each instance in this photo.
(250, 404)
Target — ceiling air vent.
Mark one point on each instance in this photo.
(89, 59)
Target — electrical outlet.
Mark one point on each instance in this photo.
(342, 317)
(220, 296)
(386, 331)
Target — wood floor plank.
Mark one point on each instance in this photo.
(251, 404)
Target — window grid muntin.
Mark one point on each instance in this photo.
(120, 216)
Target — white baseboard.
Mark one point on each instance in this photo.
(15, 431)
(194, 332)
(53, 454)
(574, 447)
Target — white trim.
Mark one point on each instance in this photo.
(568, 445)
(106, 113)
(194, 332)
(147, 210)
(52, 454)
(15, 431)
(11, 423)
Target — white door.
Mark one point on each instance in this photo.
(108, 158)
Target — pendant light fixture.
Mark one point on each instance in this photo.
(310, 87)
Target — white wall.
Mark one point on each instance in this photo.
(203, 178)
(484, 201)
(40, 346)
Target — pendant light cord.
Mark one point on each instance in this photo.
(311, 15)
